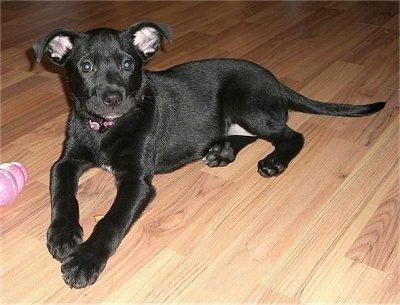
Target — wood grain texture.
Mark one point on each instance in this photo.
(327, 231)
(377, 244)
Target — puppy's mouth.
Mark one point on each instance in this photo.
(101, 116)
(102, 122)
(99, 112)
(112, 117)
(109, 113)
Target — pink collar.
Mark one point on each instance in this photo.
(100, 126)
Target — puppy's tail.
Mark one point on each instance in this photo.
(298, 102)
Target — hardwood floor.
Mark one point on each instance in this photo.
(327, 231)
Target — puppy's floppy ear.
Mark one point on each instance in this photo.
(57, 45)
(146, 37)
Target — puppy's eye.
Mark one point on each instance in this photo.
(127, 65)
(86, 67)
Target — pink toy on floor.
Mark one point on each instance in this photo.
(12, 180)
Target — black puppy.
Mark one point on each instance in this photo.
(137, 123)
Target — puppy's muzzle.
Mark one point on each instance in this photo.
(112, 98)
(109, 103)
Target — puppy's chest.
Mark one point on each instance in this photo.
(102, 155)
(116, 152)
(104, 161)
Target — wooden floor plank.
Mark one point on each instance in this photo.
(309, 246)
(377, 244)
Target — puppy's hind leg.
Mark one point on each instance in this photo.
(288, 144)
(267, 120)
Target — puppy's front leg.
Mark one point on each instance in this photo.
(65, 233)
(84, 265)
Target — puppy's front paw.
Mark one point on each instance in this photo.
(219, 155)
(63, 238)
(270, 168)
(83, 267)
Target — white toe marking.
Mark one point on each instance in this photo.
(237, 130)
(108, 168)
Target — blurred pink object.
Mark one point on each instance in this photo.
(12, 180)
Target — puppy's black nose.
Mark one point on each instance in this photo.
(112, 98)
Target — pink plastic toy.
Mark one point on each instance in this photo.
(12, 180)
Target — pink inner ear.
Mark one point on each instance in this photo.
(59, 46)
(147, 40)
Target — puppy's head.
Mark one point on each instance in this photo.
(104, 66)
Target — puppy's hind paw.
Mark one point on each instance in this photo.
(270, 168)
(220, 154)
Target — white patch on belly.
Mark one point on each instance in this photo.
(237, 130)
